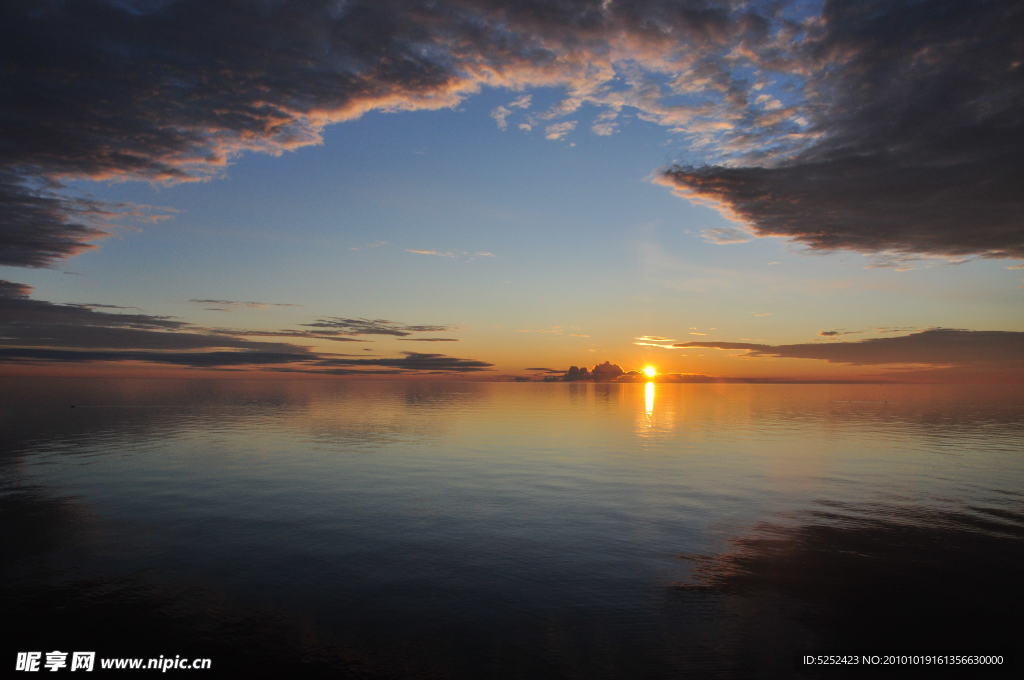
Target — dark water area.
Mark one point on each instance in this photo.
(493, 530)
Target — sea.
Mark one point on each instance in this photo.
(430, 529)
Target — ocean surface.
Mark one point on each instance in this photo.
(503, 530)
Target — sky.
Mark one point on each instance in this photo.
(477, 189)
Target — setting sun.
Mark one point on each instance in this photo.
(650, 371)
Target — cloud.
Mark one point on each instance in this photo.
(500, 114)
(894, 261)
(415, 361)
(174, 91)
(18, 309)
(606, 123)
(835, 332)
(896, 329)
(767, 102)
(523, 102)
(96, 305)
(725, 236)
(228, 305)
(430, 339)
(334, 336)
(436, 253)
(39, 226)
(373, 326)
(342, 371)
(918, 126)
(655, 341)
(38, 323)
(40, 332)
(844, 130)
(467, 256)
(412, 362)
(191, 359)
(939, 346)
(557, 131)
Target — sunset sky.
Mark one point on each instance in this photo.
(482, 189)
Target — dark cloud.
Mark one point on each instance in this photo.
(38, 227)
(96, 305)
(917, 110)
(192, 359)
(290, 333)
(372, 327)
(12, 290)
(901, 130)
(344, 371)
(17, 308)
(27, 321)
(415, 361)
(228, 305)
(79, 335)
(171, 91)
(36, 331)
(838, 331)
(939, 346)
(547, 372)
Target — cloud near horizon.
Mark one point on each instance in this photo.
(362, 326)
(333, 336)
(414, 361)
(654, 341)
(40, 332)
(876, 126)
(937, 346)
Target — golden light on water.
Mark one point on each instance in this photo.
(649, 399)
(650, 371)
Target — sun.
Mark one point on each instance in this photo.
(650, 371)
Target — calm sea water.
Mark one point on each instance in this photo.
(479, 530)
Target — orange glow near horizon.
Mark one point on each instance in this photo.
(650, 371)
